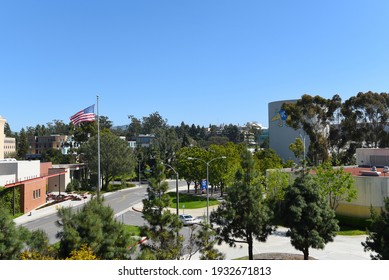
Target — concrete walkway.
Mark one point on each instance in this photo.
(48, 210)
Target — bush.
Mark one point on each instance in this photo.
(347, 222)
(6, 199)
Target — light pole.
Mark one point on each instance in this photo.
(207, 163)
(177, 195)
(140, 182)
(59, 184)
(303, 139)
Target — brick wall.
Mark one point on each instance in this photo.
(33, 194)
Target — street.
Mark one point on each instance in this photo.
(121, 202)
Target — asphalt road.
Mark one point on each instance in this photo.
(121, 202)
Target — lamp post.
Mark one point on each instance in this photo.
(177, 195)
(140, 182)
(207, 163)
(59, 184)
(303, 139)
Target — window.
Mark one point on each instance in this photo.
(36, 194)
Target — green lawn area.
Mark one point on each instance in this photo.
(133, 230)
(190, 201)
(347, 231)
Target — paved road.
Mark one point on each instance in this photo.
(121, 202)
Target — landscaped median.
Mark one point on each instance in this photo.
(191, 201)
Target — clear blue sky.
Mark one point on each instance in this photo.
(197, 61)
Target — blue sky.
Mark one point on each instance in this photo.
(199, 61)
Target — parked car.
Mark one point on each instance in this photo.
(188, 220)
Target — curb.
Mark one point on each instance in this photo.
(136, 210)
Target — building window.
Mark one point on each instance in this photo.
(36, 194)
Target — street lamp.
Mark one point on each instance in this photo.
(140, 182)
(177, 195)
(303, 139)
(207, 163)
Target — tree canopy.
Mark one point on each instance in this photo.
(163, 227)
(377, 241)
(96, 227)
(243, 216)
(310, 220)
(336, 184)
(116, 157)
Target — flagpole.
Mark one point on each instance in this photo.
(98, 150)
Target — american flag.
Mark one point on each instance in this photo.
(86, 115)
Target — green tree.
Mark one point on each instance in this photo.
(57, 127)
(223, 171)
(105, 123)
(314, 115)
(84, 131)
(163, 227)
(311, 221)
(37, 246)
(165, 144)
(336, 184)
(233, 133)
(298, 149)
(277, 182)
(268, 159)
(7, 199)
(95, 226)
(56, 157)
(117, 158)
(189, 170)
(243, 216)
(184, 166)
(8, 131)
(22, 144)
(378, 234)
(134, 128)
(11, 237)
(365, 117)
(152, 122)
(206, 241)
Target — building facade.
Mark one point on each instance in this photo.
(9, 146)
(38, 144)
(12, 171)
(371, 193)
(2, 137)
(144, 140)
(372, 157)
(280, 134)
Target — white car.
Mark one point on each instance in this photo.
(188, 220)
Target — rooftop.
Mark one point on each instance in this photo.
(366, 171)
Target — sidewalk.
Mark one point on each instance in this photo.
(48, 210)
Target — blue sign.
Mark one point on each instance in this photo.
(203, 184)
(283, 115)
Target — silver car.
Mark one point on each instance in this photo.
(188, 220)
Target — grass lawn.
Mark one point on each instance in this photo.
(133, 230)
(191, 201)
(350, 232)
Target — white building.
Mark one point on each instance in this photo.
(372, 157)
(12, 171)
